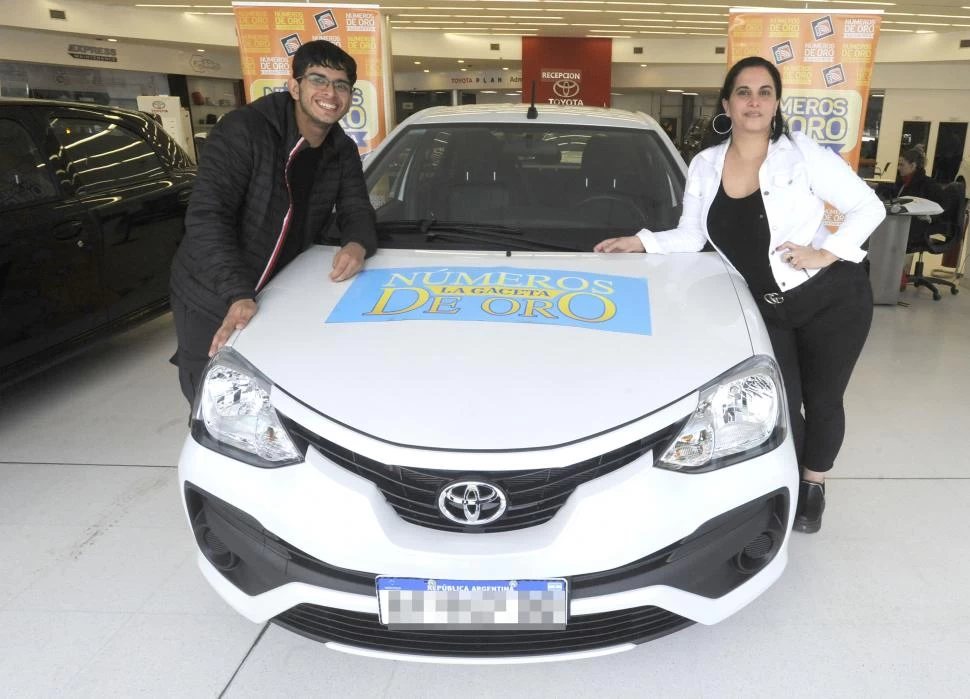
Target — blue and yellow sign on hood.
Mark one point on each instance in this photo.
(498, 295)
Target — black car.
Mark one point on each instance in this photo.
(92, 207)
(697, 137)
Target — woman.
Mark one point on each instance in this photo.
(911, 178)
(912, 181)
(758, 198)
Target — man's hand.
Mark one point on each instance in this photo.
(805, 256)
(628, 243)
(348, 261)
(236, 319)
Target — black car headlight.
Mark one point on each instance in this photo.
(233, 415)
(739, 415)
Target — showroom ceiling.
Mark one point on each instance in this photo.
(612, 18)
(605, 18)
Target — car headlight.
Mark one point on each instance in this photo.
(738, 416)
(233, 415)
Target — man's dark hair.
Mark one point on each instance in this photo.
(326, 55)
(780, 127)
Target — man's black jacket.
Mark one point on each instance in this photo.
(240, 200)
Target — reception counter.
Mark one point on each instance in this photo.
(887, 246)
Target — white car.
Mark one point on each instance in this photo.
(494, 445)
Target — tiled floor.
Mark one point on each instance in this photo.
(100, 595)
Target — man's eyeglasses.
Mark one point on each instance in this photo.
(322, 82)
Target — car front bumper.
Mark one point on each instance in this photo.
(646, 552)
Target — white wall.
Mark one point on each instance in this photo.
(949, 75)
(23, 45)
(914, 48)
(646, 102)
(682, 76)
(469, 80)
(892, 47)
(204, 31)
(901, 105)
(449, 45)
(145, 24)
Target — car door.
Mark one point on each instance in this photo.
(50, 289)
(122, 171)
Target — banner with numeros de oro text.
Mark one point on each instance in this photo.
(825, 58)
(270, 33)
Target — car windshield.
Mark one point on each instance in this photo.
(522, 186)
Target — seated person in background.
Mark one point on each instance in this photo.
(912, 181)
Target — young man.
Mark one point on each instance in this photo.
(272, 173)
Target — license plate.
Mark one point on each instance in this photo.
(472, 604)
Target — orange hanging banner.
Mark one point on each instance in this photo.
(270, 33)
(825, 59)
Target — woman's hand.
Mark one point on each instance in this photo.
(628, 243)
(805, 256)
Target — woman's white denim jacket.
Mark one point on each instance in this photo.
(796, 178)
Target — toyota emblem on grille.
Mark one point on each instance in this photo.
(472, 503)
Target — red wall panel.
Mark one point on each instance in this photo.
(567, 70)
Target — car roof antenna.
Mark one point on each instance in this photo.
(533, 113)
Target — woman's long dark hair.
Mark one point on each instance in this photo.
(780, 128)
(915, 156)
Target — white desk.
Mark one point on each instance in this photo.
(887, 248)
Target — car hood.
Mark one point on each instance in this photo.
(443, 349)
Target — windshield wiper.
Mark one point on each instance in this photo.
(495, 234)
(426, 224)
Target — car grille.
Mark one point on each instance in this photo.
(582, 633)
(534, 496)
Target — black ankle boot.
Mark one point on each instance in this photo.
(811, 505)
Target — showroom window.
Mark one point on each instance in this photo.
(103, 155)
(23, 176)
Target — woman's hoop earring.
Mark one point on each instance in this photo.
(772, 124)
(717, 130)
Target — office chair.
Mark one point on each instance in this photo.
(941, 235)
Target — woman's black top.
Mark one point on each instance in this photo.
(920, 185)
(739, 228)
